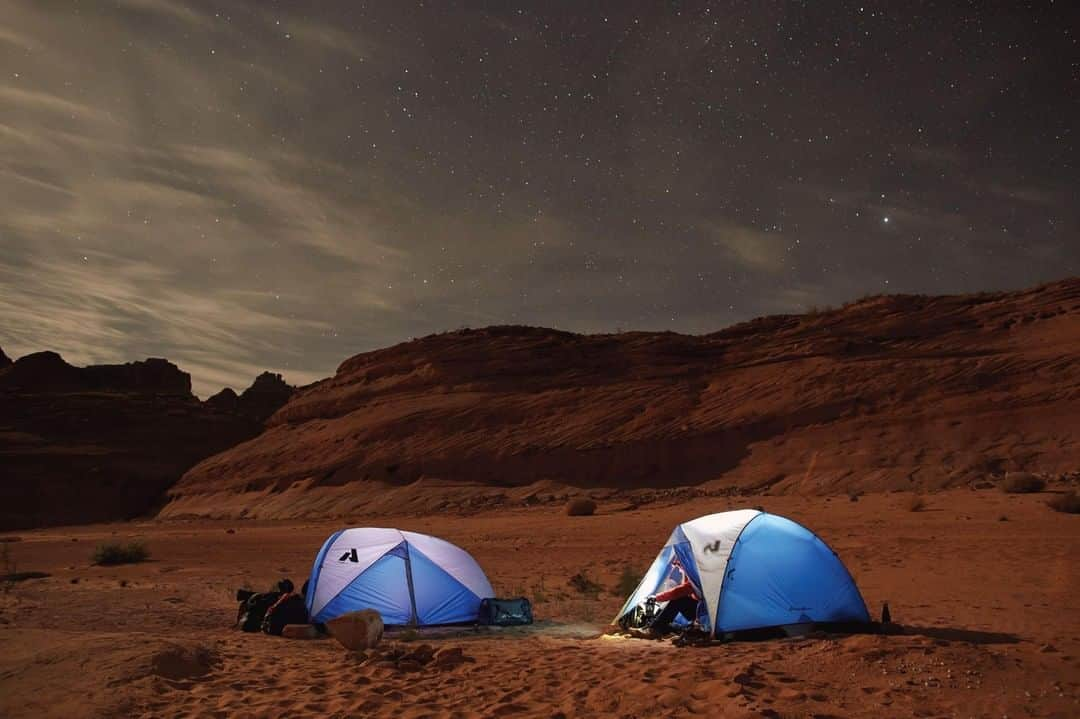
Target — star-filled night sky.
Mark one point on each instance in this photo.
(240, 186)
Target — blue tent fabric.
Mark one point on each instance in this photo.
(383, 587)
(314, 579)
(780, 573)
(440, 599)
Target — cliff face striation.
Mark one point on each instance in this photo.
(87, 444)
(891, 392)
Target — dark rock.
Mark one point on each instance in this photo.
(100, 443)
(225, 401)
(267, 394)
(47, 372)
(41, 372)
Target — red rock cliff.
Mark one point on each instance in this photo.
(895, 392)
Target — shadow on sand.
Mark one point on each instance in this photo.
(541, 627)
(950, 634)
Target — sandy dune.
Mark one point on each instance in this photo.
(984, 583)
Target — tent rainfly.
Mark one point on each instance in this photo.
(755, 570)
(408, 578)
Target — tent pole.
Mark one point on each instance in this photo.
(415, 620)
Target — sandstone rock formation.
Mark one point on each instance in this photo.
(264, 397)
(891, 392)
(85, 444)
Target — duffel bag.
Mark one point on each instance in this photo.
(505, 612)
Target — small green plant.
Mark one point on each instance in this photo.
(583, 585)
(1022, 483)
(1069, 502)
(116, 553)
(627, 582)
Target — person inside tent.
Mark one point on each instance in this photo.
(682, 599)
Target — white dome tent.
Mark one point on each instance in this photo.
(409, 578)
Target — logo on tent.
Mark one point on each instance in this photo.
(350, 556)
(712, 548)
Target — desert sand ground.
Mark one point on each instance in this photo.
(984, 584)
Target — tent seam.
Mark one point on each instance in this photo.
(723, 581)
(316, 569)
(350, 582)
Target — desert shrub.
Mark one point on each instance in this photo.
(583, 585)
(580, 507)
(627, 583)
(1022, 483)
(915, 503)
(1069, 502)
(117, 553)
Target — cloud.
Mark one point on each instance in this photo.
(48, 105)
(169, 10)
(101, 307)
(122, 241)
(748, 248)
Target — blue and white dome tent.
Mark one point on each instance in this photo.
(755, 570)
(408, 578)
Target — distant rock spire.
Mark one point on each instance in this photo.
(265, 396)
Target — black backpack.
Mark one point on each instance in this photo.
(253, 610)
(290, 610)
(505, 612)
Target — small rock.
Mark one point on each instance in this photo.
(422, 654)
(450, 657)
(299, 631)
(357, 630)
